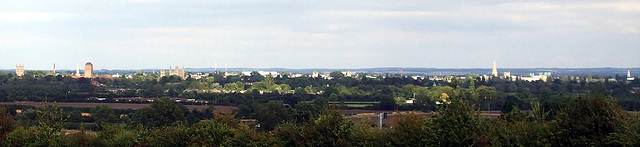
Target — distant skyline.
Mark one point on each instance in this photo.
(150, 34)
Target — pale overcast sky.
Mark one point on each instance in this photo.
(116, 34)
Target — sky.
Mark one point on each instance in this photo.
(156, 34)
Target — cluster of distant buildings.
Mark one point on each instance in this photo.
(543, 76)
(88, 70)
(530, 78)
(180, 72)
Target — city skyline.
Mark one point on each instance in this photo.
(150, 34)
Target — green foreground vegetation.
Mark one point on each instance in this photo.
(593, 120)
(566, 111)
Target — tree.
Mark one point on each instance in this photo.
(210, 133)
(271, 114)
(7, 123)
(454, 124)
(50, 123)
(104, 114)
(260, 86)
(485, 92)
(411, 131)
(595, 120)
(268, 79)
(336, 75)
(329, 129)
(162, 112)
(255, 77)
(386, 102)
(285, 88)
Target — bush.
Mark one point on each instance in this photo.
(411, 131)
(209, 133)
(7, 123)
(21, 137)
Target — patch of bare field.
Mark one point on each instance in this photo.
(113, 105)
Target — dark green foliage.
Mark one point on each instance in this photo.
(455, 124)
(21, 137)
(162, 112)
(336, 75)
(50, 123)
(386, 102)
(288, 134)
(327, 130)
(286, 119)
(118, 136)
(413, 130)
(271, 114)
(7, 123)
(515, 128)
(170, 136)
(588, 121)
(104, 114)
(83, 138)
(210, 133)
(363, 134)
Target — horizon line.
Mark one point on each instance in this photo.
(26, 69)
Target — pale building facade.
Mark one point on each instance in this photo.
(88, 70)
(171, 72)
(20, 70)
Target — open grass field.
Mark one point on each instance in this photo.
(114, 105)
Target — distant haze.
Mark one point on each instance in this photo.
(156, 34)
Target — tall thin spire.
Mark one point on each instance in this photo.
(54, 69)
(77, 69)
(495, 69)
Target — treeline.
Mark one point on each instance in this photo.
(590, 120)
(390, 90)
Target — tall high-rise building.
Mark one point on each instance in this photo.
(88, 70)
(20, 70)
(629, 77)
(494, 72)
(54, 69)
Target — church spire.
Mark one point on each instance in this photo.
(495, 69)
(77, 69)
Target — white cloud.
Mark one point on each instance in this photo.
(28, 17)
(381, 14)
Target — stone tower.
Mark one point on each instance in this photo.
(20, 70)
(88, 70)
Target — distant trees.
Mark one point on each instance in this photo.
(390, 90)
(104, 114)
(336, 75)
(271, 114)
(162, 112)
